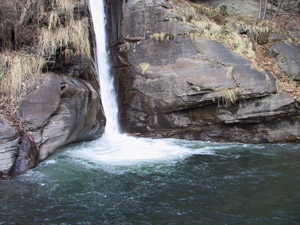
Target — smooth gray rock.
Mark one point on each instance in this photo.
(37, 107)
(275, 37)
(62, 110)
(9, 144)
(288, 57)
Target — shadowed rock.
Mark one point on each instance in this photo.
(27, 156)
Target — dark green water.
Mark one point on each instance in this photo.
(235, 184)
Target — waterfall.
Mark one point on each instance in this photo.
(115, 148)
(107, 91)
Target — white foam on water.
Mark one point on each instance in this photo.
(50, 161)
(127, 150)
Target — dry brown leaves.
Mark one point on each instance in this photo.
(284, 83)
(9, 111)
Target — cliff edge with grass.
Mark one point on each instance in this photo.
(49, 93)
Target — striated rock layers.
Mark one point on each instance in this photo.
(59, 111)
(9, 144)
(174, 83)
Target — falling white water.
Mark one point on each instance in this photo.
(108, 95)
(115, 148)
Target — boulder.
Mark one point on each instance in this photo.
(288, 57)
(174, 83)
(9, 145)
(62, 110)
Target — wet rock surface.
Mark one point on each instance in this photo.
(173, 83)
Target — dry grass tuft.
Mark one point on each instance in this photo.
(68, 5)
(183, 8)
(260, 32)
(32, 10)
(230, 95)
(144, 67)
(163, 36)
(67, 34)
(75, 36)
(202, 16)
(241, 44)
(15, 69)
(194, 36)
(54, 21)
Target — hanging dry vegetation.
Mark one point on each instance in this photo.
(17, 68)
(34, 32)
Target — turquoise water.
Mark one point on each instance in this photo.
(222, 184)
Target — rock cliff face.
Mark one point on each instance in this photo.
(61, 104)
(174, 83)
